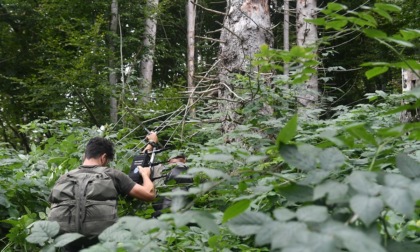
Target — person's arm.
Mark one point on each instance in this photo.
(146, 191)
(153, 139)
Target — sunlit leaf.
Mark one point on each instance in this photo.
(331, 158)
(288, 131)
(236, 209)
(399, 200)
(375, 72)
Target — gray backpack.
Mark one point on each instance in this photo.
(84, 201)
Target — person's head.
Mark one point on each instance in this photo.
(100, 148)
(179, 157)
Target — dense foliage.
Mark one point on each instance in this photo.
(349, 181)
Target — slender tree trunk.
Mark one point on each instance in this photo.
(307, 36)
(146, 65)
(113, 74)
(246, 27)
(286, 26)
(191, 13)
(410, 80)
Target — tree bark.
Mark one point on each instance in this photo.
(112, 66)
(191, 13)
(410, 80)
(286, 29)
(307, 36)
(146, 65)
(246, 27)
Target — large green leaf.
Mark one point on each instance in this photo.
(399, 200)
(312, 214)
(65, 239)
(297, 193)
(375, 72)
(408, 166)
(366, 207)
(288, 132)
(42, 231)
(287, 234)
(331, 158)
(364, 182)
(236, 209)
(302, 157)
(248, 223)
(266, 232)
(356, 241)
(335, 191)
(404, 246)
(283, 214)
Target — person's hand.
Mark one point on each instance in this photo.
(152, 137)
(144, 171)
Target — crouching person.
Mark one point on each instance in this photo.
(85, 199)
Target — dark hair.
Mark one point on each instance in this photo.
(98, 146)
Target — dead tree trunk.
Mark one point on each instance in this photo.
(410, 80)
(307, 36)
(246, 27)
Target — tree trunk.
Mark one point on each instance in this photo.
(307, 37)
(410, 80)
(286, 26)
(113, 74)
(191, 13)
(246, 27)
(146, 65)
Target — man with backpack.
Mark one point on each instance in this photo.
(85, 200)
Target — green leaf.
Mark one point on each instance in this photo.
(360, 132)
(266, 232)
(236, 209)
(331, 159)
(375, 72)
(297, 193)
(383, 13)
(408, 166)
(364, 182)
(4, 201)
(396, 180)
(400, 42)
(316, 21)
(48, 248)
(374, 33)
(366, 207)
(403, 246)
(336, 6)
(410, 34)
(335, 191)
(65, 239)
(288, 132)
(356, 241)
(336, 25)
(283, 214)
(302, 157)
(399, 200)
(248, 223)
(312, 214)
(388, 7)
(315, 177)
(42, 231)
(287, 234)
(206, 221)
